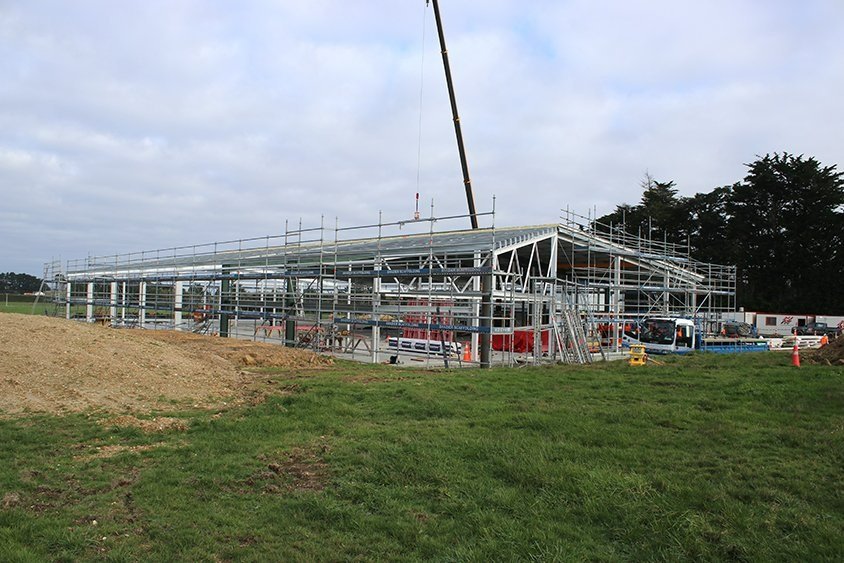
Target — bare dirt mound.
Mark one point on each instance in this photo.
(239, 352)
(54, 365)
(832, 353)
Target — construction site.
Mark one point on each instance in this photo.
(406, 291)
(418, 290)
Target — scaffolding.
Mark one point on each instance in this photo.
(626, 278)
(404, 291)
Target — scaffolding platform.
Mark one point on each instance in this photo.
(563, 288)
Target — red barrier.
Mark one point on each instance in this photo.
(522, 340)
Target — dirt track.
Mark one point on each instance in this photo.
(54, 365)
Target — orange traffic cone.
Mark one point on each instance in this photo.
(467, 352)
(795, 355)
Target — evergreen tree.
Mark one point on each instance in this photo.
(10, 282)
(660, 216)
(782, 226)
(786, 225)
(707, 219)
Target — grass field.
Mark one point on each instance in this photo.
(22, 304)
(17, 307)
(26, 308)
(708, 457)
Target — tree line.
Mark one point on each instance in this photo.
(782, 226)
(10, 282)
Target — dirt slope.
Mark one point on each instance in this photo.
(54, 365)
(833, 353)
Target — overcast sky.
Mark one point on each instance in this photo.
(136, 125)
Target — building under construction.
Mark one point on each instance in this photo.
(406, 291)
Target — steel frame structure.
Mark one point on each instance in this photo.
(630, 277)
(349, 290)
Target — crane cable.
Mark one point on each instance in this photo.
(421, 100)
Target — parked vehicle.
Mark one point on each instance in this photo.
(665, 335)
(676, 335)
(736, 329)
(818, 329)
(832, 321)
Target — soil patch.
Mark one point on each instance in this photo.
(832, 353)
(103, 452)
(243, 353)
(300, 469)
(148, 425)
(11, 500)
(59, 366)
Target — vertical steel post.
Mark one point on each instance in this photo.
(552, 303)
(142, 304)
(123, 304)
(112, 312)
(89, 302)
(290, 311)
(225, 287)
(376, 317)
(69, 291)
(178, 294)
(486, 318)
(617, 300)
(476, 307)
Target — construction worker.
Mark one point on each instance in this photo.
(824, 340)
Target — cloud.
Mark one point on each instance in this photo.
(155, 124)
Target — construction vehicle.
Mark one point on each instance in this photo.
(678, 335)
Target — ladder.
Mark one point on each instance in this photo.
(52, 272)
(570, 336)
(593, 326)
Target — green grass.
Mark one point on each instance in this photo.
(708, 457)
(51, 309)
(23, 304)
(23, 308)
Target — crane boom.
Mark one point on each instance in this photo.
(467, 183)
